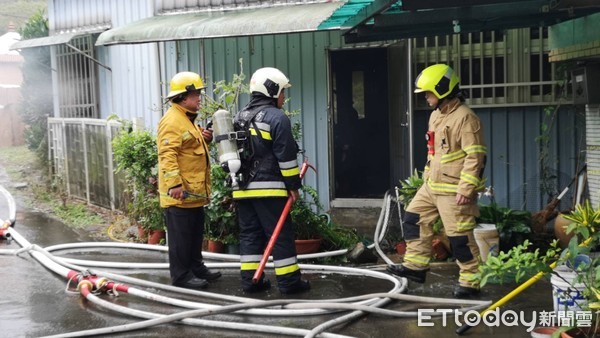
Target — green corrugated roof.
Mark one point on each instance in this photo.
(240, 22)
(342, 14)
(348, 11)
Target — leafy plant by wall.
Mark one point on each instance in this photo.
(135, 153)
(221, 220)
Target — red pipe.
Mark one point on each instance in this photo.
(277, 230)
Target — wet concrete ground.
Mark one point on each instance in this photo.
(35, 303)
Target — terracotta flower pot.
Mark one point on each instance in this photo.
(154, 236)
(142, 233)
(215, 246)
(401, 248)
(438, 250)
(306, 246)
(560, 231)
(543, 331)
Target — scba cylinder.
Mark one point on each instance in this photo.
(225, 137)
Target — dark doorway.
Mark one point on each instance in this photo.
(361, 142)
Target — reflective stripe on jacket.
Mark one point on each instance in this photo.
(182, 159)
(275, 169)
(459, 160)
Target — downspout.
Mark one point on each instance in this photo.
(410, 106)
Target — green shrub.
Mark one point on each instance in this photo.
(136, 154)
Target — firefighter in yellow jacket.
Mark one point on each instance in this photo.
(452, 178)
(184, 181)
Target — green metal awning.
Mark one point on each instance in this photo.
(45, 41)
(239, 22)
(58, 39)
(377, 20)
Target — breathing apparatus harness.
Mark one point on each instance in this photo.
(234, 146)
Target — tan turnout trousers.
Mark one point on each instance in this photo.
(458, 220)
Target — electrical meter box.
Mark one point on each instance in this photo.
(586, 84)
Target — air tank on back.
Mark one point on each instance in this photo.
(225, 137)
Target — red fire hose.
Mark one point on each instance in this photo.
(277, 230)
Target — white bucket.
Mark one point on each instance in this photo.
(567, 295)
(487, 239)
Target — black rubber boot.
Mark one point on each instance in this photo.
(402, 271)
(258, 287)
(465, 292)
(298, 287)
(193, 283)
(205, 273)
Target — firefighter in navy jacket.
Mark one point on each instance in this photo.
(271, 175)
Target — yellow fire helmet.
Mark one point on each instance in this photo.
(439, 79)
(184, 82)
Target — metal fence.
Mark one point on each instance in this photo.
(81, 161)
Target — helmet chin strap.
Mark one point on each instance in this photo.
(441, 102)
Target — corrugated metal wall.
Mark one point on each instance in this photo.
(511, 132)
(135, 68)
(513, 167)
(303, 57)
(593, 152)
(179, 5)
(132, 89)
(65, 15)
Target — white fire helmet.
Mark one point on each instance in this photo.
(269, 82)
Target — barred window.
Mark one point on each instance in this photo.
(496, 68)
(76, 74)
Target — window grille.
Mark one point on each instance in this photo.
(496, 68)
(77, 95)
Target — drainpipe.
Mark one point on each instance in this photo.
(410, 105)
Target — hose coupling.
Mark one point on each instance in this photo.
(85, 283)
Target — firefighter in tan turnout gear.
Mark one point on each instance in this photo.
(452, 178)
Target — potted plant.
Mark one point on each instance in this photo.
(313, 227)
(136, 156)
(308, 224)
(409, 187)
(220, 223)
(571, 280)
(514, 226)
